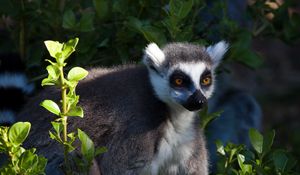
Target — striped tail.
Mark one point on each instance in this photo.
(14, 87)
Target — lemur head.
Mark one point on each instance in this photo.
(182, 74)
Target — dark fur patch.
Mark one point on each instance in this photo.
(11, 98)
(10, 62)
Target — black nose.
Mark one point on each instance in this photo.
(195, 101)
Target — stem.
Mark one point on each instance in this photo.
(64, 117)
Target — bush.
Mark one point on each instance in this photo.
(261, 159)
(116, 31)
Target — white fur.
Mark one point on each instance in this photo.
(17, 80)
(217, 51)
(155, 54)
(175, 147)
(160, 86)
(7, 116)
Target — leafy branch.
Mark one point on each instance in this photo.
(69, 100)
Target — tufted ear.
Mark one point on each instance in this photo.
(153, 56)
(217, 51)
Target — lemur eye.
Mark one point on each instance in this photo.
(206, 81)
(178, 81)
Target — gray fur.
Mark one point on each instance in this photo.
(185, 53)
(123, 113)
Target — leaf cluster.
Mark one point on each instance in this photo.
(20, 160)
(262, 159)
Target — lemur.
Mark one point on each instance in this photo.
(146, 115)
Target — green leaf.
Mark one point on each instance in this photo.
(268, 141)
(54, 48)
(181, 8)
(51, 106)
(206, 118)
(86, 23)
(18, 132)
(134, 24)
(48, 82)
(245, 168)
(280, 160)
(87, 146)
(101, 7)
(250, 59)
(57, 126)
(220, 147)
(27, 160)
(100, 150)
(56, 136)
(77, 73)
(41, 165)
(72, 138)
(154, 34)
(69, 48)
(69, 20)
(75, 112)
(292, 162)
(256, 140)
(53, 72)
(241, 51)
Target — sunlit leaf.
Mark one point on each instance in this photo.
(51, 106)
(220, 147)
(77, 73)
(54, 48)
(18, 132)
(69, 48)
(75, 112)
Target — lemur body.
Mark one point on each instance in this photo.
(145, 116)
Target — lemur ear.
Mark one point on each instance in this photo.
(217, 51)
(153, 56)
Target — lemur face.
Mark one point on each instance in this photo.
(182, 75)
(190, 85)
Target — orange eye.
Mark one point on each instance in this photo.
(206, 81)
(178, 81)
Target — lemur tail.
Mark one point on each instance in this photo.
(14, 87)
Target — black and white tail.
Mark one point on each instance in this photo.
(14, 87)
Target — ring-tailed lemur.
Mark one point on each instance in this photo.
(146, 116)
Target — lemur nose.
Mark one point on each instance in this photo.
(195, 101)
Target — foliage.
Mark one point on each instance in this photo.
(116, 31)
(60, 52)
(262, 159)
(207, 117)
(21, 161)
